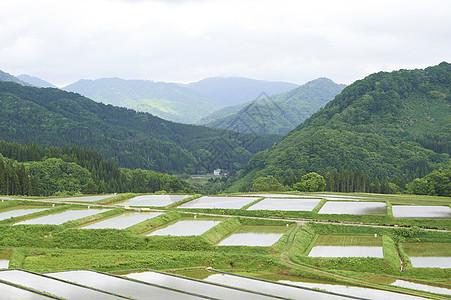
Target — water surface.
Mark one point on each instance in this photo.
(187, 228)
(417, 211)
(123, 221)
(154, 200)
(254, 236)
(354, 208)
(19, 212)
(219, 202)
(4, 263)
(9, 292)
(442, 262)
(422, 287)
(121, 286)
(83, 198)
(52, 286)
(347, 251)
(60, 218)
(286, 204)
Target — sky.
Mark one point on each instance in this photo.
(188, 40)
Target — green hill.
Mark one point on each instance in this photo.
(50, 116)
(10, 78)
(276, 114)
(169, 101)
(387, 124)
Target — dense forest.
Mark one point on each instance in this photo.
(49, 116)
(36, 170)
(277, 114)
(387, 125)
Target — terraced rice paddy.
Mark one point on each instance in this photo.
(254, 236)
(4, 263)
(122, 286)
(353, 208)
(354, 291)
(200, 287)
(286, 204)
(154, 200)
(12, 213)
(429, 255)
(82, 199)
(219, 202)
(347, 246)
(417, 211)
(4, 258)
(187, 228)
(60, 218)
(11, 292)
(278, 196)
(123, 221)
(422, 287)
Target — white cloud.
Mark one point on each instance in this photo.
(63, 41)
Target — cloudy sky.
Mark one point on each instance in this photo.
(62, 41)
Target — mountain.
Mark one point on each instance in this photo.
(35, 81)
(276, 114)
(386, 125)
(169, 101)
(236, 90)
(10, 78)
(49, 116)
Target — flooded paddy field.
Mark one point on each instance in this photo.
(286, 204)
(354, 208)
(125, 220)
(187, 227)
(50, 285)
(12, 292)
(18, 212)
(429, 255)
(278, 196)
(199, 287)
(122, 286)
(82, 198)
(219, 202)
(254, 236)
(417, 211)
(153, 200)
(347, 246)
(422, 287)
(60, 218)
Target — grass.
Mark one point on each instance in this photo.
(427, 249)
(5, 254)
(348, 240)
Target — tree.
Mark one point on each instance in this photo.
(266, 184)
(311, 182)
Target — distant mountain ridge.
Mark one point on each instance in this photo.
(237, 90)
(279, 113)
(35, 81)
(166, 100)
(8, 77)
(50, 116)
(386, 125)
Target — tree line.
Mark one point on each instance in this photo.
(37, 170)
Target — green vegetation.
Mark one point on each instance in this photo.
(379, 126)
(427, 249)
(348, 240)
(133, 139)
(435, 183)
(73, 170)
(279, 113)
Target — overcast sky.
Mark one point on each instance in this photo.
(62, 41)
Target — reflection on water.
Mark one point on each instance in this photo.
(416, 211)
(186, 228)
(123, 221)
(251, 239)
(19, 212)
(154, 200)
(58, 219)
(443, 262)
(286, 204)
(354, 208)
(219, 202)
(422, 287)
(348, 251)
(4, 263)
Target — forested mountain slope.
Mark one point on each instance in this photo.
(280, 113)
(50, 116)
(35, 81)
(387, 124)
(169, 101)
(8, 77)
